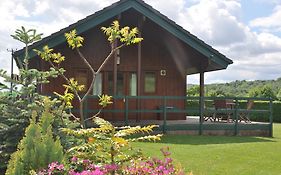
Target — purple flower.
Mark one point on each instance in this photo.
(74, 159)
(86, 161)
(111, 167)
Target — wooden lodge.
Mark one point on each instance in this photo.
(158, 66)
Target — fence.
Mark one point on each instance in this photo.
(163, 106)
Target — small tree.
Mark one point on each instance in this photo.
(125, 36)
(254, 92)
(106, 144)
(279, 95)
(193, 91)
(38, 148)
(264, 92)
(267, 92)
(16, 108)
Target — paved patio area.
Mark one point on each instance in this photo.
(189, 120)
(191, 126)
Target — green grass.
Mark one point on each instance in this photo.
(223, 155)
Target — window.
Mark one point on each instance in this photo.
(110, 83)
(81, 76)
(133, 84)
(149, 82)
(97, 88)
(120, 83)
(119, 86)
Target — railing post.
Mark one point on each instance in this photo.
(271, 118)
(236, 117)
(201, 111)
(126, 110)
(164, 114)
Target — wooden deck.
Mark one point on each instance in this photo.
(172, 118)
(191, 126)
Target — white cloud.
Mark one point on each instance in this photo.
(255, 55)
(217, 22)
(214, 21)
(272, 21)
(41, 7)
(170, 8)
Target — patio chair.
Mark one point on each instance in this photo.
(208, 115)
(222, 107)
(245, 114)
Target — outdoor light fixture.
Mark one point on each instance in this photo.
(163, 72)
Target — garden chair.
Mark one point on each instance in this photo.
(222, 107)
(208, 115)
(245, 114)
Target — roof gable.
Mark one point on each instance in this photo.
(143, 8)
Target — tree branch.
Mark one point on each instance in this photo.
(93, 74)
(85, 61)
(96, 115)
(108, 57)
(76, 118)
(66, 79)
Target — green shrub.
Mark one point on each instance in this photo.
(38, 148)
(107, 144)
(16, 107)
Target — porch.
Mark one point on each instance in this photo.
(190, 118)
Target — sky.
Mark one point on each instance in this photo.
(246, 31)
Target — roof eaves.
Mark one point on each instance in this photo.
(216, 54)
(59, 36)
(148, 11)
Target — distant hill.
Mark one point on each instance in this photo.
(240, 88)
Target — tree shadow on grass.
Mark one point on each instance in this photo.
(205, 140)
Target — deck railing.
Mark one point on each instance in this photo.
(204, 106)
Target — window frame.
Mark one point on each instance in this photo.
(101, 74)
(144, 82)
(76, 70)
(129, 83)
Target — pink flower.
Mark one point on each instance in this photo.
(86, 161)
(74, 159)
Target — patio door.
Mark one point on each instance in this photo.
(126, 85)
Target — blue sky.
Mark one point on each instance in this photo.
(247, 31)
(252, 9)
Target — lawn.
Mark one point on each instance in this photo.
(223, 155)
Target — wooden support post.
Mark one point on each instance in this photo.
(139, 80)
(236, 131)
(126, 111)
(114, 45)
(165, 115)
(139, 69)
(201, 103)
(115, 71)
(271, 118)
(114, 80)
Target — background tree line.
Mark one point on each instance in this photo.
(257, 88)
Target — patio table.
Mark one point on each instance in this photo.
(222, 109)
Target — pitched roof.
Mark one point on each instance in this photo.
(145, 9)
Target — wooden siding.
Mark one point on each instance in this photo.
(160, 51)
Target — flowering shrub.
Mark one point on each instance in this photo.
(87, 167)
(150, 166)
(54, 168)
(78, 167)
(154, 166)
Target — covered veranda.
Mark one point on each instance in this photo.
(198, 111)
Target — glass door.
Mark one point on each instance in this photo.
(126, 85)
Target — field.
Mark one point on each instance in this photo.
(223, 155)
